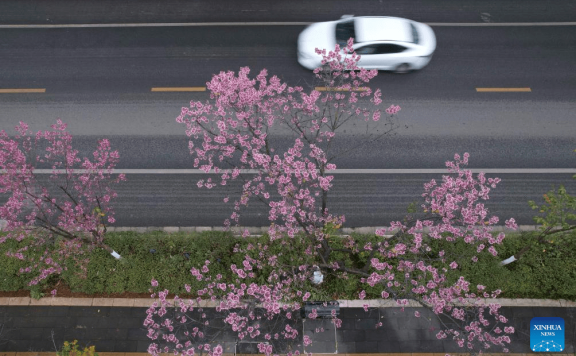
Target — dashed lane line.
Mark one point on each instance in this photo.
(22, 90)
(177, 89)
(503, 90)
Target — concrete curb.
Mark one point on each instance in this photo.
(258, 230)
(373, 303)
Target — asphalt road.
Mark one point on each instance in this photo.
(139, 11)
(369, 200)
(365, 200)
(99, 79)
(115, 61)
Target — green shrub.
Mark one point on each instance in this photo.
(545, 271)
(10, 277)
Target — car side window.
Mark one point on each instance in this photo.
(390, 48)
(369, 49)
(344, 30)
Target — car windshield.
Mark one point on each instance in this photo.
(344, 30)
(415, 34)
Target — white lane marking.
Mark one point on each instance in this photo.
(160, 24)
(206, 24)
(496, 24)
(339, 171)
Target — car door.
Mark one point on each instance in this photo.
(384, 56)
(389, 56)
(368, 56)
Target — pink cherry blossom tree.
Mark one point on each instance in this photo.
(453, 214)
(241, 133)
(402, 267)
(64, 215)
(238, 130)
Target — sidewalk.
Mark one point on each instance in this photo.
(119, 328)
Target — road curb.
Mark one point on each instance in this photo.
(257, 230)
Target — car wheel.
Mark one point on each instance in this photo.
(402, 68)
(326, 68)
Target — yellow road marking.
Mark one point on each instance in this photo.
(179, 89)
(338, 89)
(12, 91)
(503, 90)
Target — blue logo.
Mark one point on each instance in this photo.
(547, 334)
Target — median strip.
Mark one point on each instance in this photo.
(176, 89)
(21, 90)
(503, 90)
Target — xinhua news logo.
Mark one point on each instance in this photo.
(547, 334)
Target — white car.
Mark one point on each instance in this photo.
(383, 43)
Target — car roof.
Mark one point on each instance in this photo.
(368, 29)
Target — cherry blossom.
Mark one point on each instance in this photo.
(233, 135)
(70, 211)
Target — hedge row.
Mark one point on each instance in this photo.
(545, 271)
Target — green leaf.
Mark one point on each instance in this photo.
(412, 208)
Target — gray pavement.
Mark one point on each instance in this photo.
(120, 329)
(120, 61)
(365, 199)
